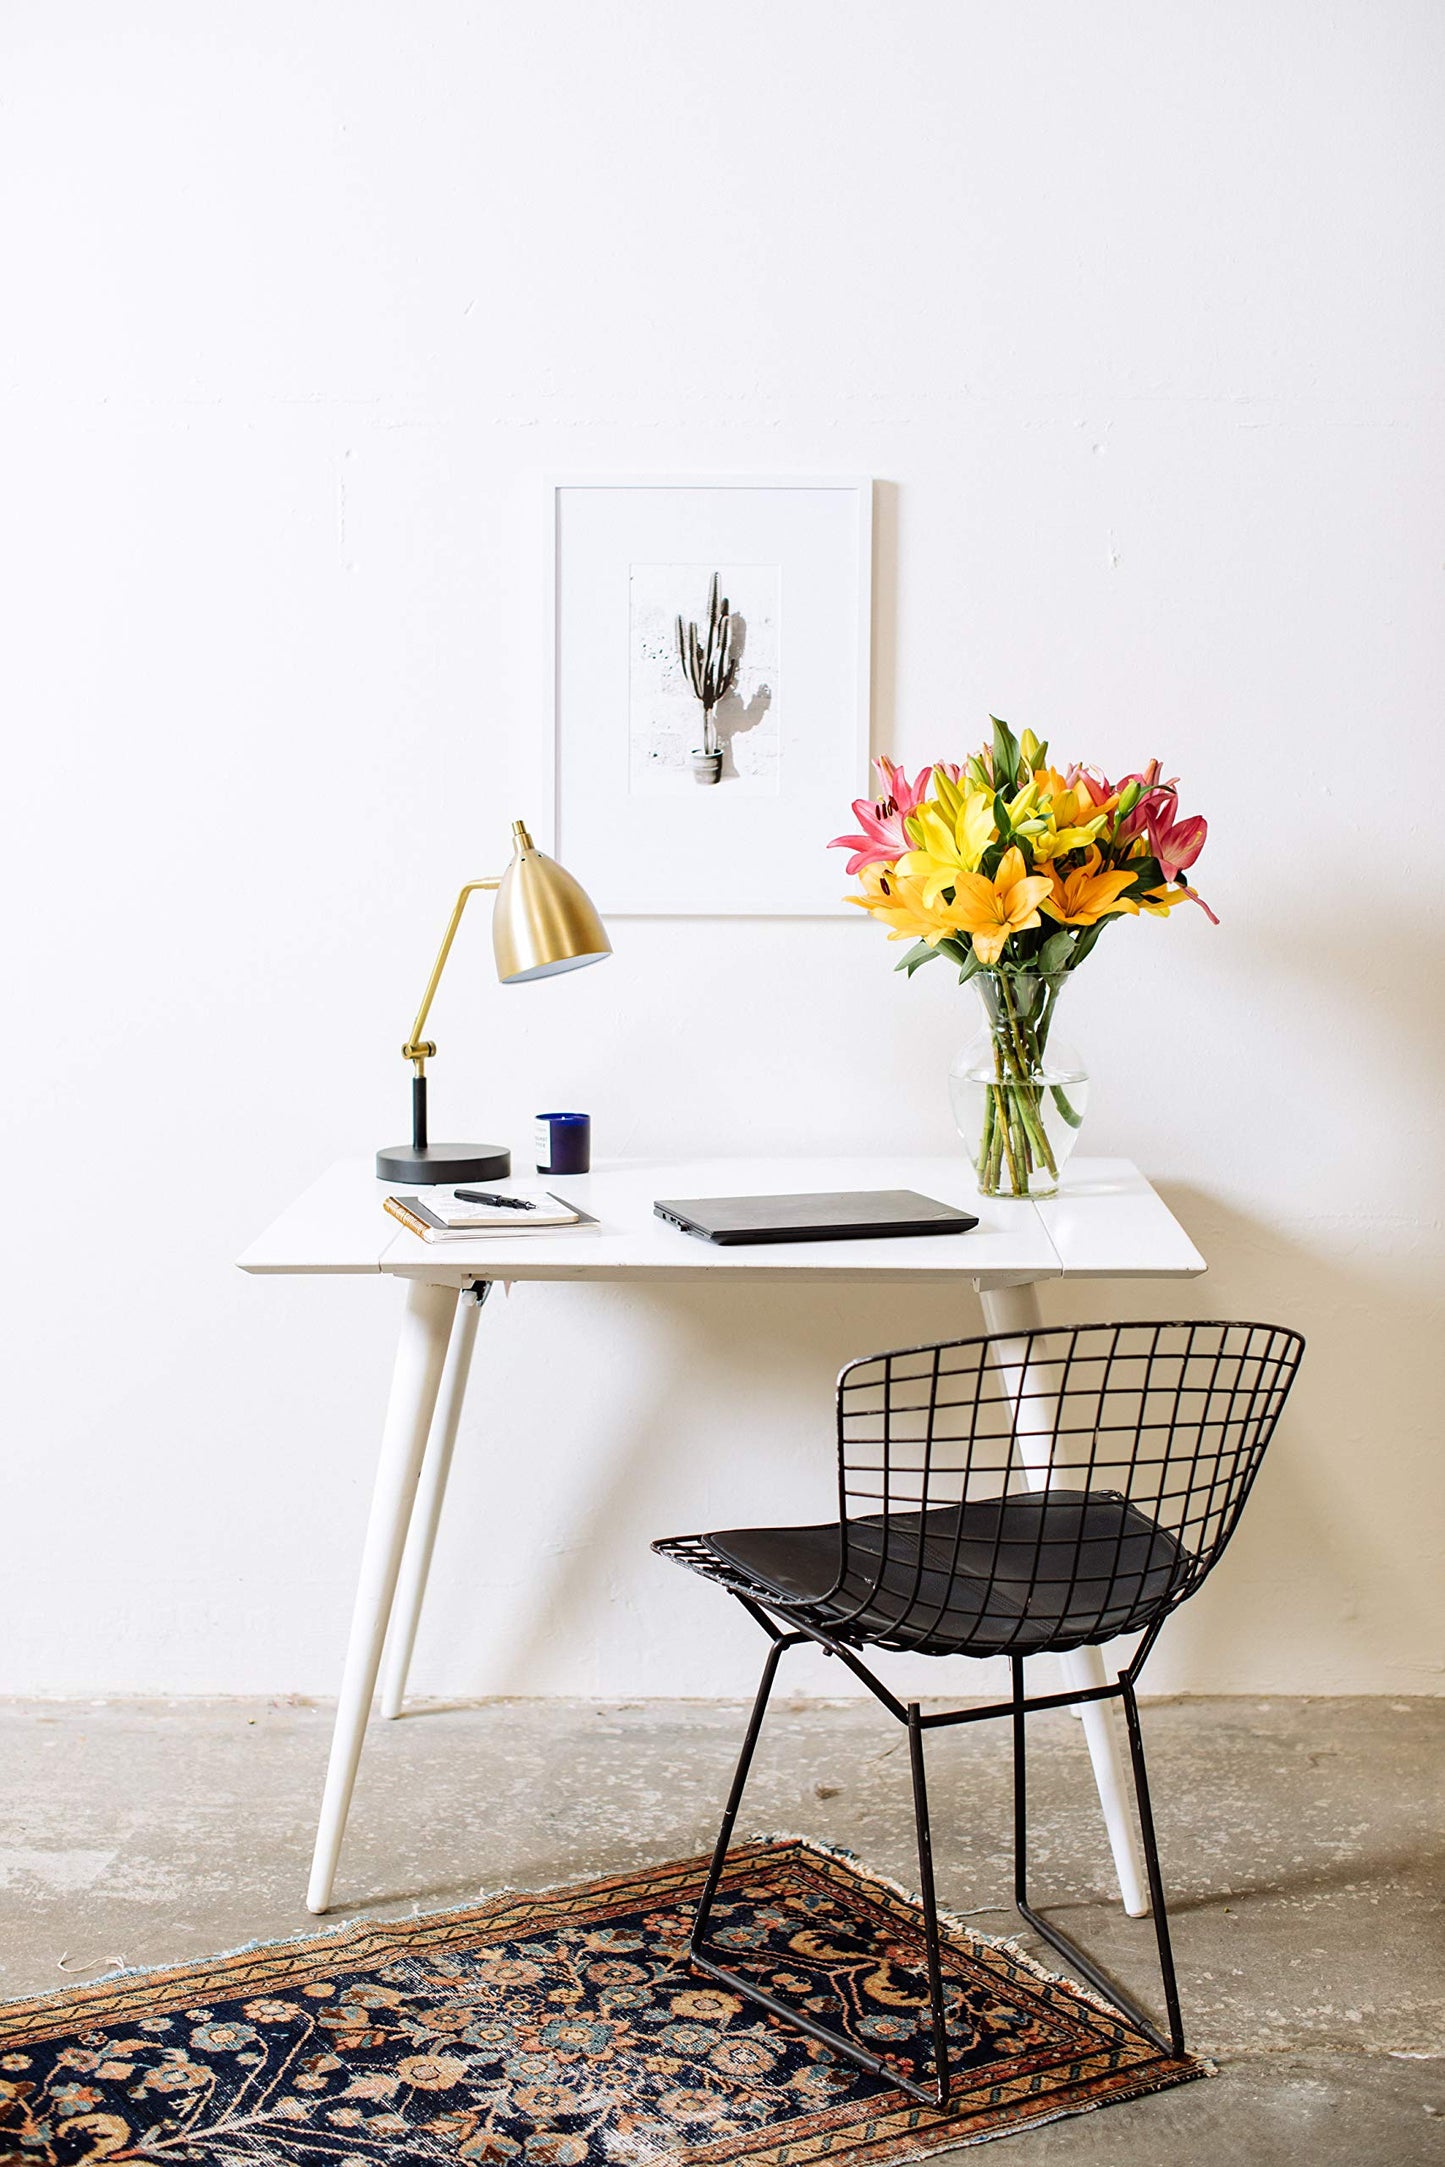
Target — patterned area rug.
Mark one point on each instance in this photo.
(564, 2030)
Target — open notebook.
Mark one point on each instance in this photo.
(444, 1215)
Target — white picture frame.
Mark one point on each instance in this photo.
(631, 554)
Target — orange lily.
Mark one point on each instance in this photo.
(898, 901)
(990, 910)
(1087, 895)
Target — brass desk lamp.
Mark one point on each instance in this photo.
(542, 923)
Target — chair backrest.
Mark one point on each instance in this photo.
(1118, 1458)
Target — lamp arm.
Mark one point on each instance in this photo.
(417, 1049)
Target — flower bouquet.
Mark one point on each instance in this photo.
(1012, 869)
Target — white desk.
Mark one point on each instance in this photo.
(1106, 1224)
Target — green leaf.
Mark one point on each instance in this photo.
(1005, 754)
(1150, 875)
(1055, 953)
(968, 968)
(919, 954)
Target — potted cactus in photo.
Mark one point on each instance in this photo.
(711, 668)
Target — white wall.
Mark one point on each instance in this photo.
(1137, 314)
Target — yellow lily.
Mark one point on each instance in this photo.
(948, 792)
(1023, 803)
(1087, 895)
(1073, 818)
(1054, 842)
(1090, 793)
(949, 843)
(898, 902)
(1160, 901)
(990, 910)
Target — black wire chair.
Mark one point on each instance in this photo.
(1015, 1494)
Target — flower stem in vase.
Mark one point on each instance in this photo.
(1017, 1098)
(1066, 1105)
(1012, 1142)
(1029, 1044)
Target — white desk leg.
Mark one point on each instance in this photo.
(1016, 1309)
(421, 1351)
(426, 1513)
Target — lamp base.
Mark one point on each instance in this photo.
(422, 1164)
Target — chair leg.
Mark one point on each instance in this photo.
(873, 2064)
(930, 1905)
(1021, 1804)
(1076, 1956)
(735, 1795)
(1152, 1868)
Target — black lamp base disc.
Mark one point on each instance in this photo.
(443, 1163)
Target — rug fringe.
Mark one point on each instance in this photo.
(184, 1963)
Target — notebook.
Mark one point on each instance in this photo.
(441, 1215)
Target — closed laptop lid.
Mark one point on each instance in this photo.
(829, 1215)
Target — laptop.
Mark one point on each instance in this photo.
(833, 1216)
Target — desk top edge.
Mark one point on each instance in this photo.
(337, 1226)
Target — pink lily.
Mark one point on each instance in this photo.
(1176, 843)
(906, 795)
(1152, 791)
(1089, 784)
(1099, 786)
(884, 839)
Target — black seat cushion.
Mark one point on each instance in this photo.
(1039, 1569)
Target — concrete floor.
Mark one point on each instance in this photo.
(1303, 1847)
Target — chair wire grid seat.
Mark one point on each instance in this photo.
(1033, 1491)
(1055, 1568)
(1010, 1494)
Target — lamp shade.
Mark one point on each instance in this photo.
(543, 920)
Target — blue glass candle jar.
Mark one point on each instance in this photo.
(563, 1143)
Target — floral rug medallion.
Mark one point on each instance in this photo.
(564, 2029)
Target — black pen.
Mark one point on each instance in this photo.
(505, 1203)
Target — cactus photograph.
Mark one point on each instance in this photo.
(703, 680)
(711, 677)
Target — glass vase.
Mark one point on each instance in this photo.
(1018, 1090)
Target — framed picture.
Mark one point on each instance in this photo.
(711, 658)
